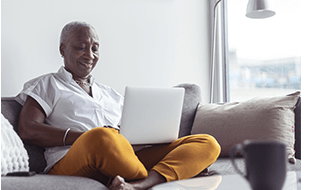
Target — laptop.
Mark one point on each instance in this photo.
(151, 115)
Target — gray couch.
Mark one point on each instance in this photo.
(10, 109)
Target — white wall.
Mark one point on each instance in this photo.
(143, 42)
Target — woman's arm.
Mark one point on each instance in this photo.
(31, 127)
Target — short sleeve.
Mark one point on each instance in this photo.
(42, 89)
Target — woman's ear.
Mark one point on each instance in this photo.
(62, 48)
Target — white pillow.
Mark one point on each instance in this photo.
(256, 119)
(14, 156)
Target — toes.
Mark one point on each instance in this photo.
(119, 178)
(117, 183)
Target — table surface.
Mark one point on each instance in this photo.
(225, 182)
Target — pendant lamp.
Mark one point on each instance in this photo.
(259, 9)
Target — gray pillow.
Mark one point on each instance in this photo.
(256, 119)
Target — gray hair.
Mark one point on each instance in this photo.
(70, 27)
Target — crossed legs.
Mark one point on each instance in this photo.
(103, 153)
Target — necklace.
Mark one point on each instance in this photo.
(85, 84)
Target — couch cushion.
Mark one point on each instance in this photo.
(255, 119)
(223, 166)
(47, 182)
(191, 101)
(10, 110)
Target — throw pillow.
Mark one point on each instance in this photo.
(256, 119)
(14, 156)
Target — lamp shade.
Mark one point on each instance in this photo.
(259, 9)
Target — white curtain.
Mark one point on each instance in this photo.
(220, 92)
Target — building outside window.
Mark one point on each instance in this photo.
(264, 54)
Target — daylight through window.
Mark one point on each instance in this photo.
(264, 55)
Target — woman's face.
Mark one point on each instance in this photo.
(81, 52)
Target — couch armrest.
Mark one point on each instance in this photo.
(298, 129)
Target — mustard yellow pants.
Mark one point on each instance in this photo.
(103, 153)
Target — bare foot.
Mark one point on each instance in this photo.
(119, 183)
(153, 179)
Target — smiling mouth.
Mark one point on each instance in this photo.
(87, 65)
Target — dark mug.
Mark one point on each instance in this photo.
(265, 163)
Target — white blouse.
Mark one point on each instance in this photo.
(67, 105)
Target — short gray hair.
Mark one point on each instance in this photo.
(70, 27)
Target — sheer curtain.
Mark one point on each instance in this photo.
(217, 36)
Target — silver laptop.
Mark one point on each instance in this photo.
(151, 115)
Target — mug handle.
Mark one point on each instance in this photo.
(233, 151)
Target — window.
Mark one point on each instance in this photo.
(264, 56)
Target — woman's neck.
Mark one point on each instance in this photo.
(81, 79)
(78, 78)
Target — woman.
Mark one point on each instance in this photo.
(77, 120)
